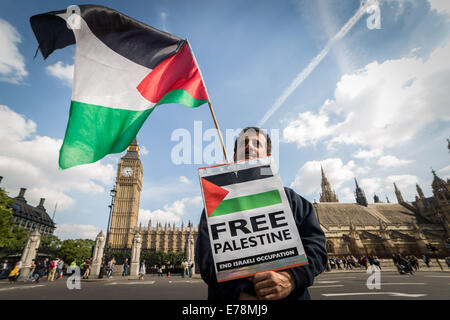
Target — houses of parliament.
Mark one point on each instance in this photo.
(360, 228)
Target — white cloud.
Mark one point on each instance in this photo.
(172, 213)
(62, 72)
(441, 6)
(77, 231)
(184, 179)
(367, 154)
(403, 181)
(31, 161)
(392, 161)
(445, 171)
(372, 185)
(379, 103)
(144, 150)
(308, 178)
(12, 65)
(307, 129)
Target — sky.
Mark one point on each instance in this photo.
(363, 95)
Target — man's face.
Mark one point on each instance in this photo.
(251, 145)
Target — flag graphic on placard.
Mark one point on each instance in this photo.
(239, 191)
(123, 70)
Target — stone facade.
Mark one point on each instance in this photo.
(29, 217)
(382, 229)
(124, 218)
(125, 212)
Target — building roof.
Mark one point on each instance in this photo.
(38, 214)
(132, 151)
(332, 213)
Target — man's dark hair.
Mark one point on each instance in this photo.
(258, 131)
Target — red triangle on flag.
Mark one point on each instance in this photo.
(213, 195)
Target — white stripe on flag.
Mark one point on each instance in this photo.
(104, 77)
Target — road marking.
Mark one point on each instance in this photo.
(437, 276)
(341, 278)
(128, 283)
(24, 287)
(386, 284)
(395, 294)
(324, 282)
(332, 286)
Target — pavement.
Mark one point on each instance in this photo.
(344, 285)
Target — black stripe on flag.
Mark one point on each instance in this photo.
(128, 37)
(224, 179)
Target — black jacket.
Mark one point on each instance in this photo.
(313, 240)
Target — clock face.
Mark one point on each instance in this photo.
(127, 172)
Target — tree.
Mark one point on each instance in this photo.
(12, 237)
(50, 244)
(76, 250)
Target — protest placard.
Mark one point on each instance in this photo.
(250, 223)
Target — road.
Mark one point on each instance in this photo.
(327, 286)
(393, 286)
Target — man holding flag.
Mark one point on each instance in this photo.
(290, 283)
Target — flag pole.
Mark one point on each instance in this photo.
(218, 130)
(210, 106)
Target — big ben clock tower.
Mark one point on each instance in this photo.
(125, 212)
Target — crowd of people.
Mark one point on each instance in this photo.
(44, 268)
(350, 262)
(404, 264)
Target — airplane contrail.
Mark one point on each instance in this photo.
(315, 61)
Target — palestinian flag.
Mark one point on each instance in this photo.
(238, 191)
(123, 70)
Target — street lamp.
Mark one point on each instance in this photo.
(113, 194)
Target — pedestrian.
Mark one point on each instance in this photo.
(332, 263)
(447, 261)
(191, 267)
(338, 263)
(426, 260)
(364, 262)
(376, 262)
(4, 268)
(87, 269)
(45, 265)
(142, 271)
(60, 268)
(51, 274)
(14, 274)
(111, 265)
(40, 271)
(102, 269)
(185, 268)
(32, 270)
(160, 271)
(168, 267)
(125, 267)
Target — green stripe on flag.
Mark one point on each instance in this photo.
(94, 131)
(180, 96)
(253, 201)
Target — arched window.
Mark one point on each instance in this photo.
(330, 246)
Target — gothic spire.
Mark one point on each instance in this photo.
(327, 195)
(398, 194)
(360, 195)
(420, 192)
